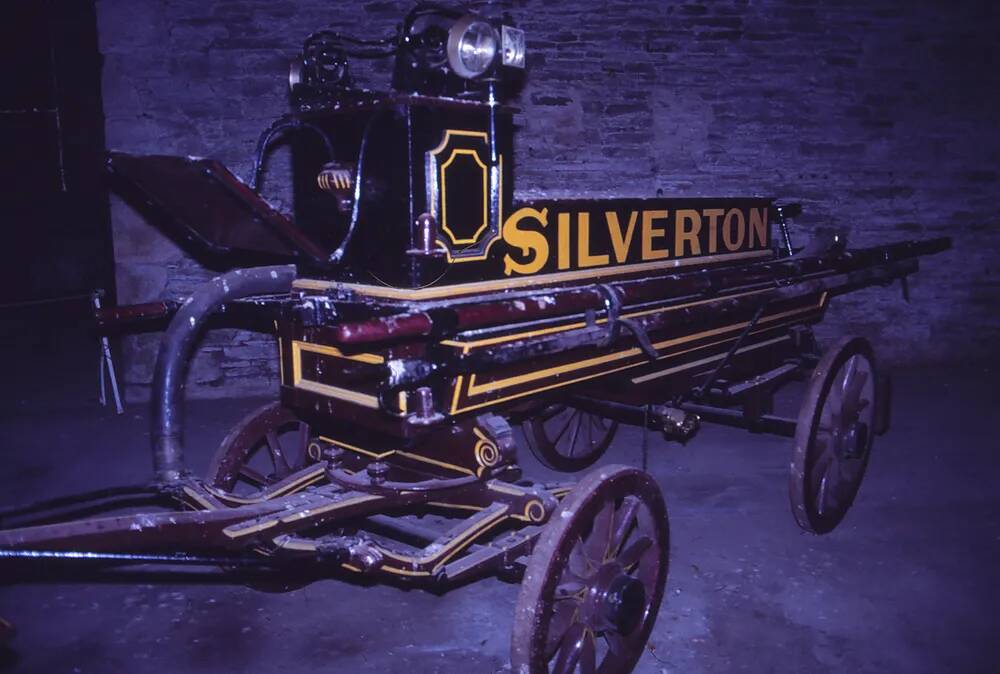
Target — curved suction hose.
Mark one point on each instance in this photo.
(177, 345)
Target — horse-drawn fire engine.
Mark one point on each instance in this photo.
(422, 313)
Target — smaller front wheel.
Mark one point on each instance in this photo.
(266, 446)
(594, 583)
(568, 439)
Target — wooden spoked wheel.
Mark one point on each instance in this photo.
(833, 437)
(568, 439)
(266, 446)
(594, 583)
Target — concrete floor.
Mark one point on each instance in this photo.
(910, 582)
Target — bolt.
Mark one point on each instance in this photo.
(378, 471)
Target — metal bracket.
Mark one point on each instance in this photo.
(107, 364)
(612, 310)
(499, 432)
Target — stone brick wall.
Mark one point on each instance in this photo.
(878, 115)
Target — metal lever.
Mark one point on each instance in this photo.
(613, 307)
(700, 391)
(107, 366)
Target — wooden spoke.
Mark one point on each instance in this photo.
(819, 470)
(624, 520)
(579, 563)
(821, 491)
(853, 388)
(596, 544)
(578, 417)
(252, 476)
(302, 446)
(588, 655)
(281, 467)
(570, 649)
(835, 404)
(562, 430)
(577, 652)
(563, 616)
(631, 555)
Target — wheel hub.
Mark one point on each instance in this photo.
(623, 603)
(855, 440)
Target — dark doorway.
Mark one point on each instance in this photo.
(56, 224)
(56, 246)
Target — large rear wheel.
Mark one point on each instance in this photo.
(833, 437)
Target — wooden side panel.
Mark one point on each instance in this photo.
(681, 350)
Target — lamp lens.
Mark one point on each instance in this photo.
(478, 47)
